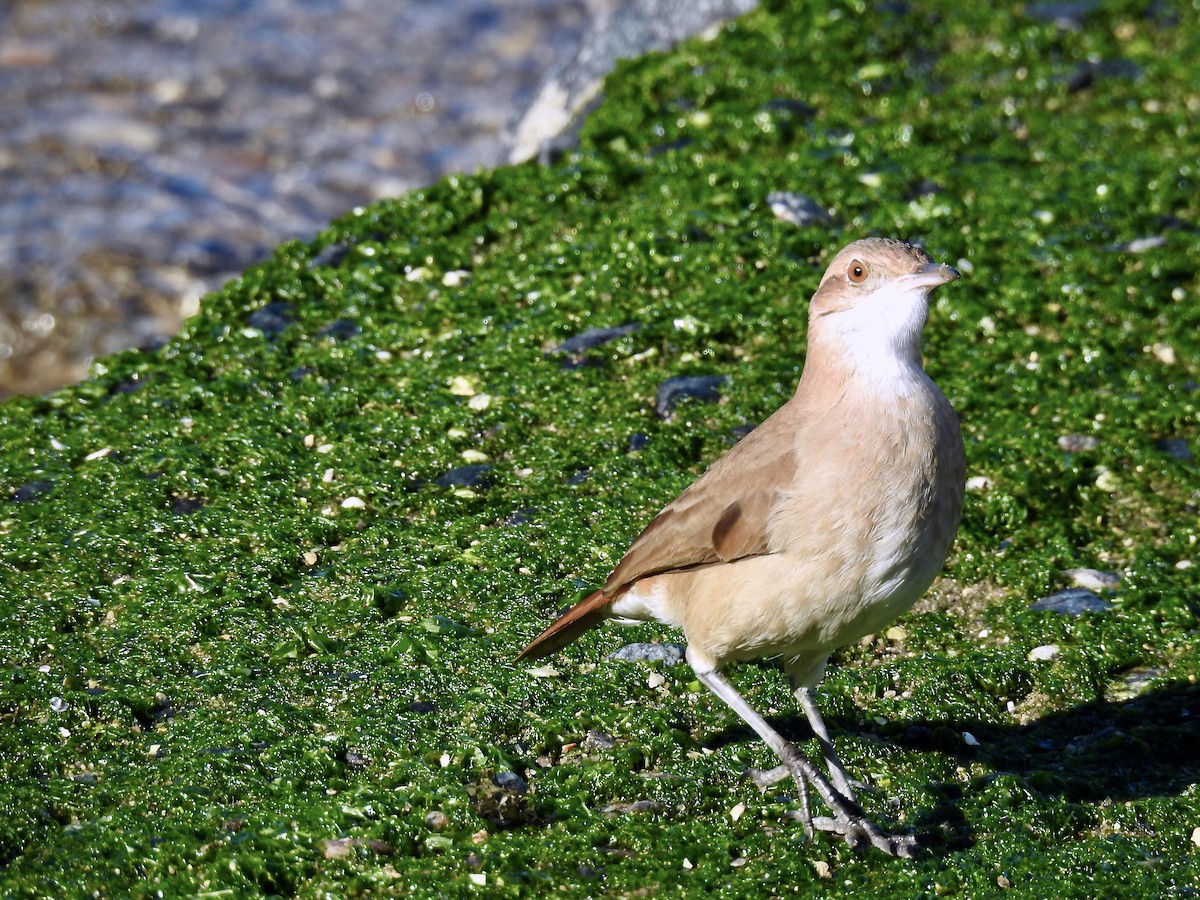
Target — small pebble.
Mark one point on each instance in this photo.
(1176, 448)
(341, 330)
(637, 806)
(700, 387)
(511, 781)
(593, 337)
(30, 491)
(1077, 443)
(1164, 353)
(1065, 13)
(1044, 653)
(1072, 602)
(667, 654)
(273, 318)
(1138, 245)
(436, 820)
(599, 740)
(465, 476)
(461, 386)
(969, 739)
(1093, 579)
(800, 210)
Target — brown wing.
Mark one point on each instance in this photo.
(723, 516)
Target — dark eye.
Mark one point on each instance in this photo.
(857, 272)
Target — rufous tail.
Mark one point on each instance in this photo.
(588, 612)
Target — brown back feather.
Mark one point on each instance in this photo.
(724, 515)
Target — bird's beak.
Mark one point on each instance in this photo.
(933, 274)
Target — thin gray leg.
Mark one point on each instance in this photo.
(837, 772)
(848, 819)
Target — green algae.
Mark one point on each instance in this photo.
(250, 643)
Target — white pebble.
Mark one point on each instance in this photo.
(1045, 652)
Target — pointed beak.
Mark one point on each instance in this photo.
(933, 274)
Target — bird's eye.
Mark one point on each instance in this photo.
(857, 272)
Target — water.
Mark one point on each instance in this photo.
(152, 149)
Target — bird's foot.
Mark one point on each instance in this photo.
(848, 818)
(858, 831)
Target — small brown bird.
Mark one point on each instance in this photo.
(823, 524)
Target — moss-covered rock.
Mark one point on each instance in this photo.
(261, 588)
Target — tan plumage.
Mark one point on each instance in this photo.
(824, 523)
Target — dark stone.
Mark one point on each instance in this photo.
(1072, 602)
(1090, 72)
(511, 781)
(30, 491)
(465, 476)
(330, 255)
(798, 209)
(518, 518)
(273, 318)
(1176, 448)
(185, 506)
(1067, 14)
(341, 330)
(681, 387)
(594, 337)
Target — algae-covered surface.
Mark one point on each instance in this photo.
(262, 587)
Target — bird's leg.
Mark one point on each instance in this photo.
(837, 772)
(848, 819)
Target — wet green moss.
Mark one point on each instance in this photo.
(254, 631)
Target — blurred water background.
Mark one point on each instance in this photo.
(152, 149)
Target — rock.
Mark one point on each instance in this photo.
(701, 387)
(1093, 579)
(629, 29)
(798, 209)
(1067, 14)
(599, 740)
(592, 338)
(1072, 602)
(30, 491)
(273, 318)
(1138, 245)
(465, 476)
(511, 781)
(667, 654)
(1176, 448)
(1077, 443)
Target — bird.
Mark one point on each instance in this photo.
(823, 524)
